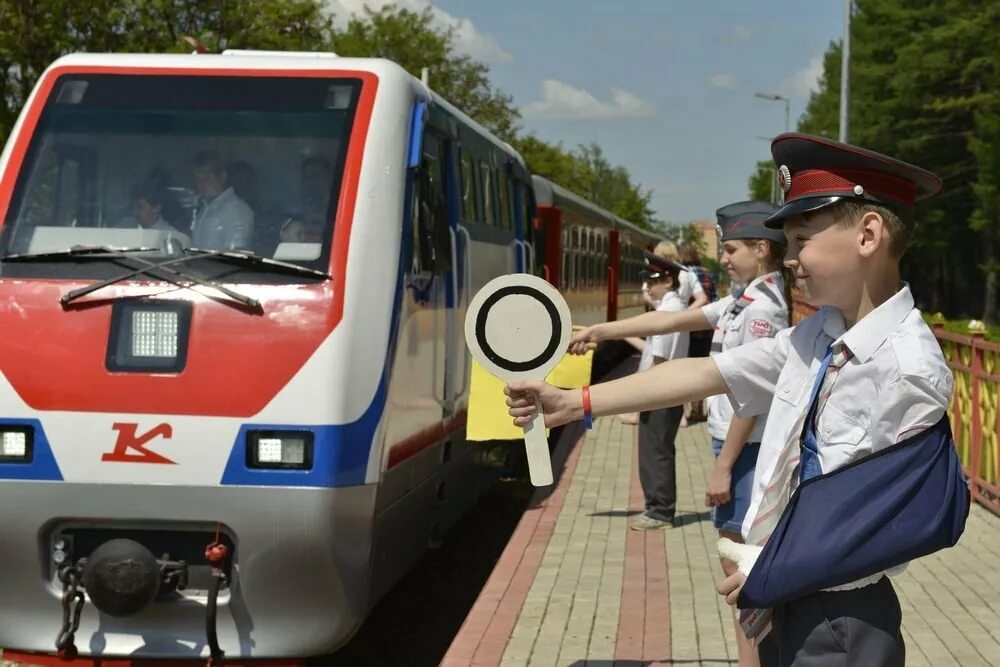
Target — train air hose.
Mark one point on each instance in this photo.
(216, 553)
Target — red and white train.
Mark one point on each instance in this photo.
(227, 426)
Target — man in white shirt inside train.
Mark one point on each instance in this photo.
(223, 221)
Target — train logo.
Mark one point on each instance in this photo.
(131, 448)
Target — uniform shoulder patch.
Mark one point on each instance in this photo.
(761, 328)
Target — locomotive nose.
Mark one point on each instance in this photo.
(121, 577)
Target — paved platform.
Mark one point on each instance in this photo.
(576, 587)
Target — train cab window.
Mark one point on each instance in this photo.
(470, 199)
(486, 182)
(174, 161)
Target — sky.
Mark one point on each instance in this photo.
(666, 87)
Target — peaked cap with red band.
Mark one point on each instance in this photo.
(657, 266)
(745, 220)
(815, 172)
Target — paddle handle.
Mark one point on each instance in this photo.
(537, 447)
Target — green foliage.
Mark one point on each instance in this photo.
(925, 87)
(762, 185)
(33, 34)
(588, 173)
(411, 40)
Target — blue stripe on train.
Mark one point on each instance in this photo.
(340, 452)
(43, 466)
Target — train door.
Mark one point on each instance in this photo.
(526, 241)
(433, 250)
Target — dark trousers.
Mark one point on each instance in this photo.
(657, 431)
(855, 628)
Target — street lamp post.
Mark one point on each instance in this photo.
(845, 76)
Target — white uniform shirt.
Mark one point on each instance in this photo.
(760, 312)
(896, 385)
(225, 223)
(666, 346)
(688, 286)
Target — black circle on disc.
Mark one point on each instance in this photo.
(507, 364)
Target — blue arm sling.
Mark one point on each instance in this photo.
(906, 501)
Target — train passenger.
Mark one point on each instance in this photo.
(314, 196)
(223, 220)
(658, 428)
(296, 230)
(147, 210)
(752, 254)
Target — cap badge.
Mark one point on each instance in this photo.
(858, 190)
(784, 178)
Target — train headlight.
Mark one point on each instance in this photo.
(149, 336)
(280, 449)
(16, 444)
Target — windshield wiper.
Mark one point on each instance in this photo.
(97, 252)
(150, 268)
(249, 258)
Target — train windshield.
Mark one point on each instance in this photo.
(170, 163)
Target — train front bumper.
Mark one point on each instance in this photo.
(300, 567)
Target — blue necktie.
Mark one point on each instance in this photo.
(809, 465)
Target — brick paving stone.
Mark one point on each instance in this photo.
(602, 595)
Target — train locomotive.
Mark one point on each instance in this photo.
(232, 411)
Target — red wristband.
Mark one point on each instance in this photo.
(588, 419)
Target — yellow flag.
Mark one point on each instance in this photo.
(488, 418)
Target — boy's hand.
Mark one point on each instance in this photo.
(559, 405)
(731, 586)
(585, 338)
(719, 484)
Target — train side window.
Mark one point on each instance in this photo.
(591, 274)
(564, 262)
(431, 241)
(486, 182)
(504, 197)
(470, 200)
(602, 257)
(574, 256)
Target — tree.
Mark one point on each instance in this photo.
(33, 34)
(611, 187)
(412, 40)
(762, 185)
(924, 88)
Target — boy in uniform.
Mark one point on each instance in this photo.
(658, 428)
(862, 374)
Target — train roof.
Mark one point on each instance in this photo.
(236, 59)
(549, 193)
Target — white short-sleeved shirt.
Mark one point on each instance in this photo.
(760, 312)
(666, 346)
(688, 286)
(225, 223)
(896, 384)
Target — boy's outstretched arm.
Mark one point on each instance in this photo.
(665, 385)
(652, 323)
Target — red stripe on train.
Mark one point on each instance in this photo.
(418, 442)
